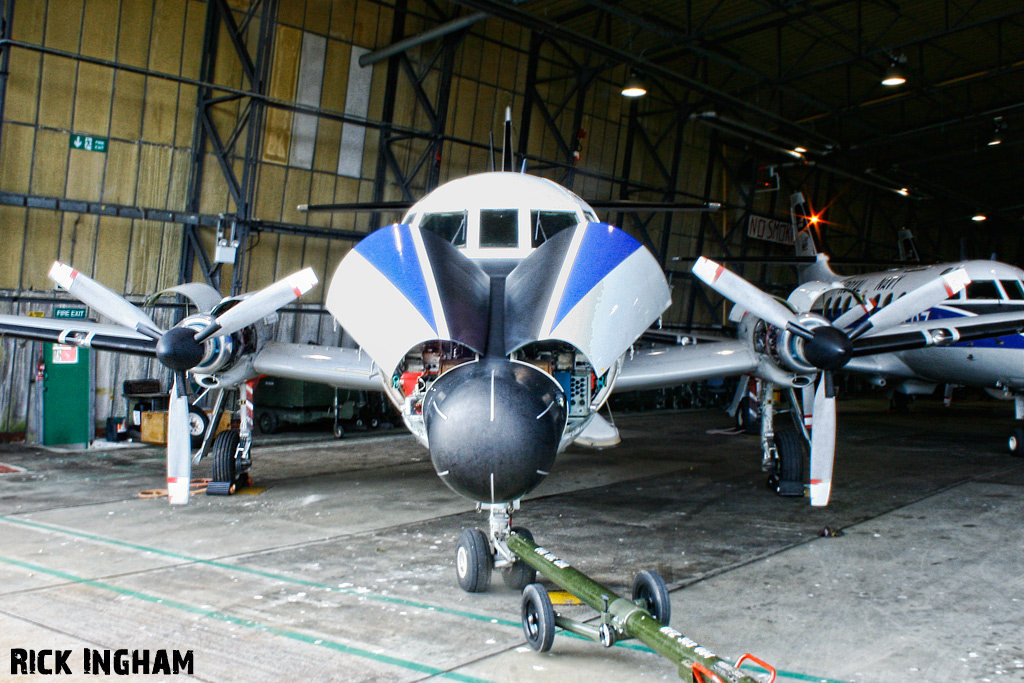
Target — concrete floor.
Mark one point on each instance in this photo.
(343, 568)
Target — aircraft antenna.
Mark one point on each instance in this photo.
(507, 162)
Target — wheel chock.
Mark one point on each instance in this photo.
(220, 488)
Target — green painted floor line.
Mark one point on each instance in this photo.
(248, 623)
(369, 595)
(348, 591)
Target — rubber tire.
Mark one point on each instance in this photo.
(473, 562)
(538, 618)
(197, 417)
(900, 402)
(746, 419)
(338, 430)
(789, 465)
(1016, 442)
(268, 422)
(650, 587)
(222, 456)
(520, 575)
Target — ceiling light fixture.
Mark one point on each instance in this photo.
(997, 134)
(634, 87)
(977, 218)
(895, 74)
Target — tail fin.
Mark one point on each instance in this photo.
(908, 250)
(798, 213)
(805, 245)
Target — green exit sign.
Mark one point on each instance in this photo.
(89, 143)
(73, 313)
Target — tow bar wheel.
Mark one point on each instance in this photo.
(649, 590)
(473, 561)
(538, 618)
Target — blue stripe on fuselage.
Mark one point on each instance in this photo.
(392, 251)
(1012, 341)
(603, 248)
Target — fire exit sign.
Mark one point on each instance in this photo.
(89, 143)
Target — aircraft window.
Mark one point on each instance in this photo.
(544, 224)
(982, 289)
(448, 226)
(888, 299)
(1014, 289)
(499, 227)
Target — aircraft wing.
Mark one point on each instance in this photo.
(339, 367)
(669, 366)
(940, 332)
(78, 333)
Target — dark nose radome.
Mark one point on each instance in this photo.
(493, 427)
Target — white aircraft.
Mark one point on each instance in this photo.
(969, 334)
(498, 316)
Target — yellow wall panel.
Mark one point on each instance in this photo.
(78, 239)
(289, 255)
(214, 196)
(364, 28)
(296, 192)
(342, 21)
(283, 77)
(55, 95)
(168, 23)
(12, 234)
(133, 38)
(270, 192)
(64, 25)
(40, 248)
(185, 126)
(121, 172)
(346, 190)
(97, 34)
(318, 15)
(50, 168)
(154, 174)
(23, 86)
(321, 191)
(16, 158)
(335, 86)
(147, 239)
(262, 261)
(92, 99)
(328, 142)
(29, 22)
(112, 236)
(126, 114)
(160, 112)
(181, 166)
(170, 257)
(292, 13)
(85, 174)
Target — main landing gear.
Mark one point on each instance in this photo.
(782, 452)
(230, 450)
(479, 553)
(1016, 441)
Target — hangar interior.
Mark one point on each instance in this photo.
(150, 143)
(217, 119)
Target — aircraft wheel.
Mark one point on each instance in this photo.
(520, 575)
(339, 430)
(197, 424)
(1017, 442)
(649, 587)
(900, 402)
(473, 561)
(268, 422)
(223, 456)
(788, 469)
(747, 417)
(538, 618)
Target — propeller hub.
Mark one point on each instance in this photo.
(178, 349)
(828, 349)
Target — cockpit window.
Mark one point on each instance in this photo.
(450, 227)
(982, 289)
(1014, 289)
(499, 227)
(544, 224)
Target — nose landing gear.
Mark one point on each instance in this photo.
(479, 553)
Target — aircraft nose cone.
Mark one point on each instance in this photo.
(830, 349)
(493, 428)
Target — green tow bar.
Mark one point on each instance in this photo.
(621, 619)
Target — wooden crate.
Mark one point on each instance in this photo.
(154, 426)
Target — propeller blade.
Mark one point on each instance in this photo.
(95, 295)
(914, 302)
(261, 304)
(738, 290)
(856, 312)
(179, 444)
(823, 441)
